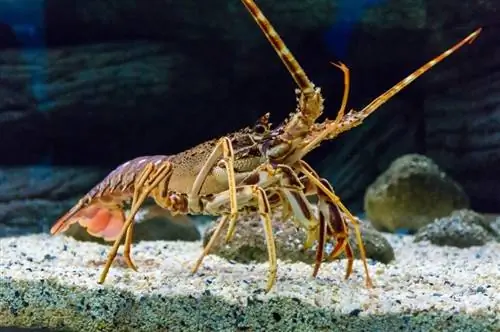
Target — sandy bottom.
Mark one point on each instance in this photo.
(423, 278)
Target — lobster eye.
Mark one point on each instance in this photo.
(259, 129)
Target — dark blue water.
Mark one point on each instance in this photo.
(348, 15)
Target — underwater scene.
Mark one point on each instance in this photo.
(250, 165)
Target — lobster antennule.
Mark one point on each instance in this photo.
(279, 46)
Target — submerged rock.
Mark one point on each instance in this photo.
(462, 229)
(473, 217)
(411, 193)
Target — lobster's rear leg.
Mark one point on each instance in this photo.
(149, 178)
(128, 246)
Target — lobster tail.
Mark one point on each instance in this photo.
(63, 223)
(100, 210)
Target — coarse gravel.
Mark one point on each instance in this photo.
(51, 282)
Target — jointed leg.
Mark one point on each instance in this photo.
(247, 193)
(309, 172)
(223, 148)
(320, 249)
(335, 227)
(303, 215)
(329, 217)
(265, 215)
(127, 247)
(145, 182)
(267, 175)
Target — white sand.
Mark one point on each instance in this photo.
(51, 281)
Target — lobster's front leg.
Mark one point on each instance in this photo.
(336, 225)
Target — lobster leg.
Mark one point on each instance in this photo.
(246, 193)
(330, 221)
(209, 245)
(262, 177)
(303, 214)
(334, 226)
(127, 247)
(149, 178)
(328, 224)
(224, 147)
(308, 171)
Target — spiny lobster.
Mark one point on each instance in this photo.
(256, 169)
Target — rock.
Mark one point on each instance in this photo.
(493, 221)
(411, 193)
(249, 245)
(495, 225)
(152, 224)
(460, 230)
(472, 217)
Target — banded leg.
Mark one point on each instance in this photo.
(330, 224)
(127, 247)
(308, 171)
(247, 194)
(302, 213)
(223, 148)
(265, 176)
(335, 227)
(284, 182)
(144, 183)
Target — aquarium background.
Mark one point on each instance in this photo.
(87, 85)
